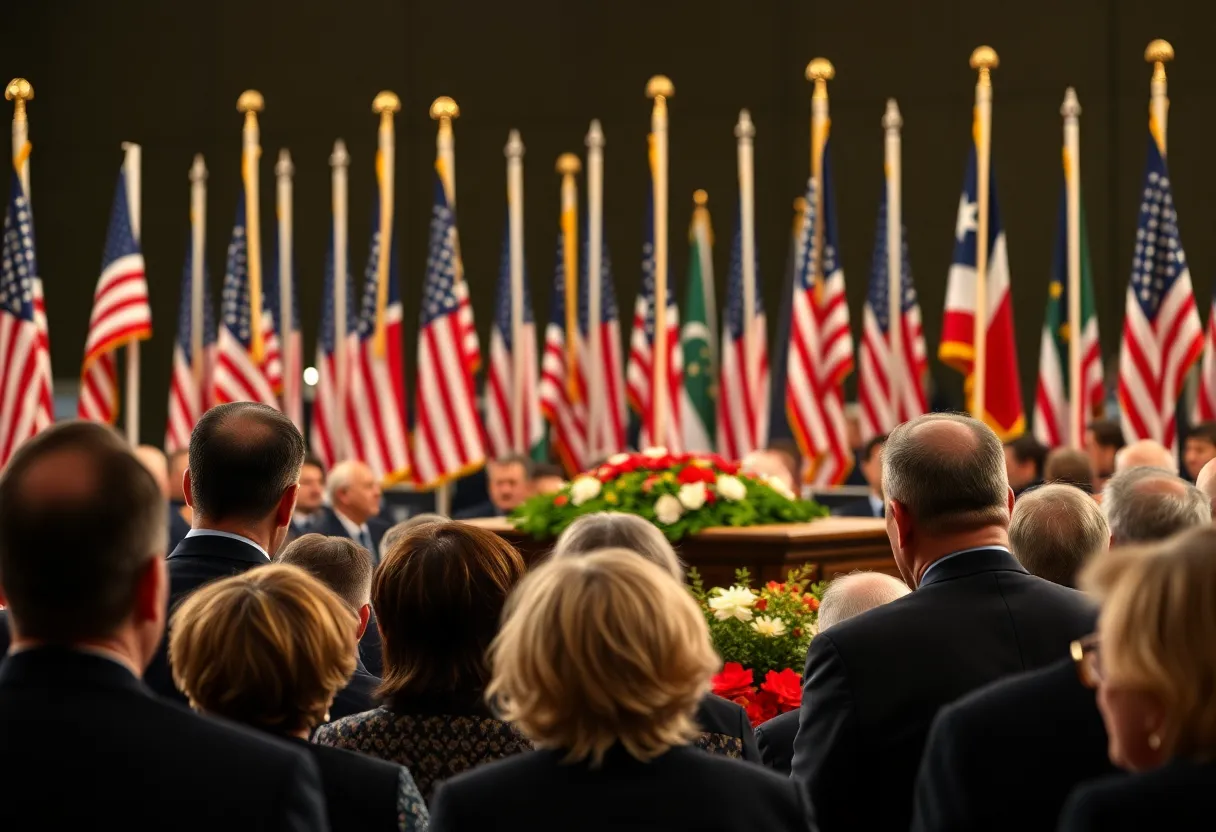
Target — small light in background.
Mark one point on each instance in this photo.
(311, 376)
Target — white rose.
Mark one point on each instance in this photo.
(656, 452)
(692, 496)
(778, 485)
(584, 489)
(731, 488)
(618, 459)
(667, 509)
(736, 602)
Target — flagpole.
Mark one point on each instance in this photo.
(251, 103)
(820, 71)
(892, 121)
(339, 162)
(660, 89)
(198, 241)
(1071, 110)
(514, 151)
(595, 251)
(444, 110)
(984, 59)
(1159, 53)
(385, 105)
(568, 165)
(745, 133)
(131, 171)
(283, 171)
(20, 91)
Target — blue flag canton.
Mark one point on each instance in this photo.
(439, 296)
(18, 265)
(502, 300)
(185, 317)
(371, 279)
(328, 335)
(236, 308)
(877, 295)
(804, 257)
(648, 276)
(557, 303)
(1159, 260)
(734, 298)
(608, 308)
(1058, 290)
(120, 238)
(967, 224)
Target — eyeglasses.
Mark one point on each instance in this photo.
(1087, 656)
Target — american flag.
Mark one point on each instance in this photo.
(25, 399)
(506, 437)
(879, 413)
(329, 429)
(1162, 336)
(447, 434)
(1205, 401)
(743, 390)
(120, 315)
(605, 435)
(471, 345)
(563, 399)
(190, 395)
(375, 405)
(240, 375)
(821, 345)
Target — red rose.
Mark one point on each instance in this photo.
(688, 475)
(761, 708)
(649, 483)
(560, 500)
(710, 498)
(761, 605)
(810, 602)
(733, 681)
(786, 688)
(605, 473)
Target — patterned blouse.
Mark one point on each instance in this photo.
(433, 746)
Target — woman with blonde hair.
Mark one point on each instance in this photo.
(270, 648)
(1153, 663)
(601, 661)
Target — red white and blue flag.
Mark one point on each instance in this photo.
(743, 388)
(563, 395)
(190, 386)
(329, 428)
(506, 397)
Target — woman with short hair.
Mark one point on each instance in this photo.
(601, 662)
(1153, 662)
(270, 648)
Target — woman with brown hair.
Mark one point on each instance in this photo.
(601, 662)
(270, 648)
(438, 595)
(1153, 663)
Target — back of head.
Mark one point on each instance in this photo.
(338, 562)
(1145, 453)
(611, 530)
(1055, 530)
(395, 533)
(1107, 433)
(855, 593)
(1028, 449)
(1148, 504)
(157, 464)
(583, 662)
(948, 471)
(438, 595)
(269, 648)
(243, 456)
(80, 520)
(1206, 482)
(1071, 467)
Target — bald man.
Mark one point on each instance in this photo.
(353, 493)
(1145, 453)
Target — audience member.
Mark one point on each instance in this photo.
(772, 462)
(346, 568)
(1055, 530)
(1145, 453)
(396, 532)
(1206, 482)
(82, 569)
(725, 727)
(1151, 664)
(310, 499)
(181, 516)
(846, 596)
(993, 740)
(1024, 461)
(1199, 449)
(268, 649)
(607, 690)
(438, 596)
(874, 683)
(547, 478)
(354, 502)
(1069, 466)
(508, 484)
(241, 483)
(157, 464)
(1103, 439)
(871, 468)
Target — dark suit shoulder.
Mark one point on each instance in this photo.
(775, 740)
(725, 729)
(1179, 795)
(358, 695)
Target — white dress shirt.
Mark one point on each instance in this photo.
(218, 533)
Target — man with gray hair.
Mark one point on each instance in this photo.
(874, 683)
(1055, 529)
(1145, 453)
(353, 493)
(1145, 505)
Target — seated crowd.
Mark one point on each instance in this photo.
(268, 654)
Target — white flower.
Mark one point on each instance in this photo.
(584, 489)
(731, 488)
(735, 602)
(692, 496)
(656, 452)
(618, 459)
(667, 509)
(770, 626)
(778, 485)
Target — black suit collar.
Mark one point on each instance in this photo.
(968, 563)
(63, 668)
(215, 546)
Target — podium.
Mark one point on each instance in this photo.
(832, 546)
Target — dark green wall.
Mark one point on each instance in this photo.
(168, 75)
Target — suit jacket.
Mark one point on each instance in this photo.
(178, 527)
(1179, 795)
(358, 695)
(371, 648)
(683, 789)
(327, 523)
(775, 741)
(363, 794)
(485, 509)
(857, 508)
(725, 729)
(142, 763)
(874, 683)
(1036, 735)
(197, 561)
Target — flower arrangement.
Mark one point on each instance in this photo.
(762, 637)
(680, 493)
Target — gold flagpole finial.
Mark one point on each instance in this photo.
(386, 103)
(443, 108)
(660, 87)
(820, 71)
(985, 60)
(19, 91)
(1159, 53)
(568, 163)
(250, 103)
(700, 198)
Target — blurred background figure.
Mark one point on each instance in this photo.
(157, 464)
(772, 462)
(394, 534)
(1056, 529)
(508, 483)
(1200, 448)
(181, 516)
(547, 478)
(1206, 482)
(1024, 460)
(1145, 453)
(870, 459)
(310, 499)
(1103, 439)
(1070, 467)
(354, 502)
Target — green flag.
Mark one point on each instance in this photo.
(698, 336)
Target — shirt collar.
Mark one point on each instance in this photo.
(229, 535)
(953, 555)
(356, 532)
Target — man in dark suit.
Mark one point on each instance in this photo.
(82, 568)
(874, 683)
(508, 481)
(310, 499)
(354, 502)
(346, 568)
(871, 468)
(1025, 459)
(241, 485)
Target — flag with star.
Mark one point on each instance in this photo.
(697, 337)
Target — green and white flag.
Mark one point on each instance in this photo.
(699, 337)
